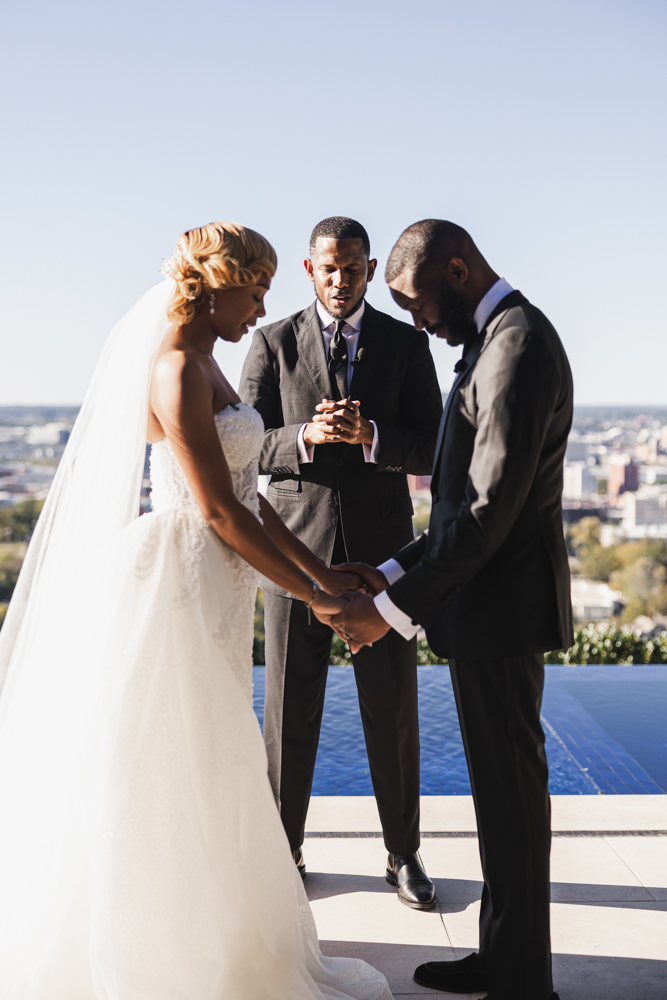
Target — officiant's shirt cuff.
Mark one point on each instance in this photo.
(394, 616)
(306, 451)
(371, 450)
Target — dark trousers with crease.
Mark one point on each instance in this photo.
(499, 704)
(297, 661)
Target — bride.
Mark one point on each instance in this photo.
(141, 853)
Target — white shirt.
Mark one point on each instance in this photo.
(392, 569)
(351, 333)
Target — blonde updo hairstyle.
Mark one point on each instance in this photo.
(220, 255)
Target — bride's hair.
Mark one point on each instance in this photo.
(220, 255)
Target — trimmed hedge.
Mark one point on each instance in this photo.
(611, 644)
(592, 645)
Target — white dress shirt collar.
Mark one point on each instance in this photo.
(485, 307)
(354, 321)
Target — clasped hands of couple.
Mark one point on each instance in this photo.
(357, 621)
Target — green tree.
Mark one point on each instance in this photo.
(18, 523)
(598, 563)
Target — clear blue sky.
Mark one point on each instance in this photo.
(539, 126)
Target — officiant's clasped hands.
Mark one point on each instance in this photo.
(336, 422)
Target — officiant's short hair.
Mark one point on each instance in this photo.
(339, 227)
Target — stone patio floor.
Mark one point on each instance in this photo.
(609, 892)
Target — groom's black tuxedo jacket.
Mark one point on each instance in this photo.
(285, 376)
(490, 578)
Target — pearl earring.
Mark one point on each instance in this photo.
(212, 302)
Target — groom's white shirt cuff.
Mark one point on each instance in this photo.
(306, 451)
(393, 616)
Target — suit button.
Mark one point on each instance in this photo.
(333, 503)
(339, 463)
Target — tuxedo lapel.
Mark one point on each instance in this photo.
(310, 344)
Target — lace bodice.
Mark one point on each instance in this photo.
(241, 430)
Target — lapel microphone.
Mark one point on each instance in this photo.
(361, 355)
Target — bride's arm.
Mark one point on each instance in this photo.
(182, 399)
(299, 553)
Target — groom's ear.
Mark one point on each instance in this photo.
(372, 264)
(308, 264)
(457, 273)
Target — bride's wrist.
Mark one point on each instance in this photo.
(323, 577)
(310, 592)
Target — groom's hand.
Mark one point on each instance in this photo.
(374, 579)
(360, 623)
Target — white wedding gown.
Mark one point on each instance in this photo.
(178, 882)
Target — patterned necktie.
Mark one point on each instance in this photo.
(338, 361)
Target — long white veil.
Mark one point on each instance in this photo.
(96, 489)
(51, 688)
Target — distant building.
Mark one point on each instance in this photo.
(47, 434)
(623, 474)
(593, 601)
(647, 507)
(575, 510)
(578, 481)
(419, 484)
(577, 450)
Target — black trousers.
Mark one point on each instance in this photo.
(297, 661)
(499, 704)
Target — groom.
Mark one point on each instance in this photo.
(489, 582)
(338, 479)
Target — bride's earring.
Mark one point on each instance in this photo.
(211, 301)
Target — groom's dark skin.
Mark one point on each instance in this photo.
(442, 298)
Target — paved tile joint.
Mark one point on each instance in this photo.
(609, 893)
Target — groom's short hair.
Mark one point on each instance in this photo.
(422, 242)
(339, 227)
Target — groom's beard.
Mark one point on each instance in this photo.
(456, 316)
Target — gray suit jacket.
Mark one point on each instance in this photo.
(491, 577)
(285, 376)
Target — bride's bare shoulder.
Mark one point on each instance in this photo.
(175, 366)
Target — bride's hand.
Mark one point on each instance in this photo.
(325, 606)
(336, 581)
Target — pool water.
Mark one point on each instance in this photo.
(605, 727)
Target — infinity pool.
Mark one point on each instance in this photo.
(606, 732)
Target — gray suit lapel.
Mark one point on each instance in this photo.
(311, 349)
(471, 358)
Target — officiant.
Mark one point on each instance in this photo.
(351, 405)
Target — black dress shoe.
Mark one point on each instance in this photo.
(299, 862)
(463, 976)
(415, 888)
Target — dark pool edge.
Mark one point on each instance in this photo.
(472, 834)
